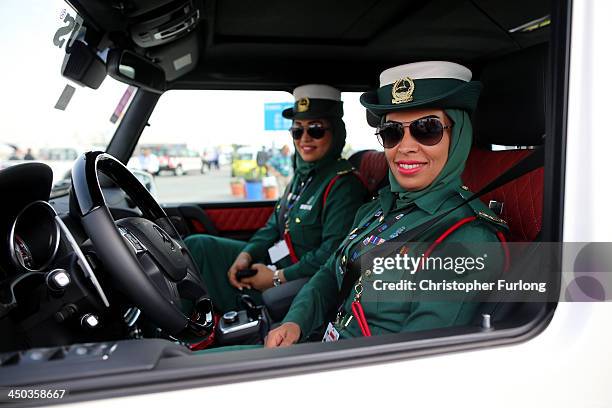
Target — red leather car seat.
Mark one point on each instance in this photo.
(521, 198)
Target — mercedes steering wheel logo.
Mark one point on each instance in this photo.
(165, 237)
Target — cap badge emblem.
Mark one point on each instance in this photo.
(402, 90)
(303, 104)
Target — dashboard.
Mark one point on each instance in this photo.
(53, 291)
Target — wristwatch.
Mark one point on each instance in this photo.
(276, 277)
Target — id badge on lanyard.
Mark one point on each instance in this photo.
(278, 251)
(331, 334)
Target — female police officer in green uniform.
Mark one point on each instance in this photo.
(309, 221)
(422, 112)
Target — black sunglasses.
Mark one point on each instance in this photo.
(314, 130)
(427, 131)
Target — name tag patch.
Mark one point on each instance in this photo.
(306, 207)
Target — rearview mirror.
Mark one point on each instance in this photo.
(131, 68)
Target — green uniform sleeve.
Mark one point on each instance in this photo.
(263, 239)
(343, 201)
(317, 299)
(426, 315)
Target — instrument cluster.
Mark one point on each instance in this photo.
(34, 237)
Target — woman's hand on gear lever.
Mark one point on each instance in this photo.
(285, 335)
(243, 261)
(262, 280)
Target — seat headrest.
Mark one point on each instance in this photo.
(373, 169)
(511, 110)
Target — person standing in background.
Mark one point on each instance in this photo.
(280, 166)
(29, 155)
(148, 161)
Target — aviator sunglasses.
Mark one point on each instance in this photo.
(314, 130)
(427, 131)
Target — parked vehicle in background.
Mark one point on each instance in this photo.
(58, 154)
(60, 159)
(244, 161)
(177, 159)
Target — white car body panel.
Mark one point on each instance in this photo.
(567, 365)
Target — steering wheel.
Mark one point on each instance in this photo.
(144, 255)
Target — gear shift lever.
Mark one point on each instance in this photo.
(250, 306)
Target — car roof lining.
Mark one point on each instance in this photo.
(275, 44)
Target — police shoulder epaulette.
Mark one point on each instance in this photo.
(475, 205)
(345, 171)
(491, 218)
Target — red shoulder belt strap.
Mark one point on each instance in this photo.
(333, 181)
(287, 237)
(459, 224)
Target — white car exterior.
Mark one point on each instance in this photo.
(569, 364)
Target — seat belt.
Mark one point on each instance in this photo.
(524, 166)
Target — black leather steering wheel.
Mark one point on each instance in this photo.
(144, 255)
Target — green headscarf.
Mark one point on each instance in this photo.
(338, 131)
(460, 145)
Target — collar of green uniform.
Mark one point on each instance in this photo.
(310, 108)
(430, 202)
(439, 93)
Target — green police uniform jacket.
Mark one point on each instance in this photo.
(317, 302)
(315, 229)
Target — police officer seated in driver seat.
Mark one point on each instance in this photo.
(308, 222)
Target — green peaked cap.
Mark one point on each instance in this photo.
(427, 84)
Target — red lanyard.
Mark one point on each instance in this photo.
(358, 312)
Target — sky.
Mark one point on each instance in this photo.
(32, 84)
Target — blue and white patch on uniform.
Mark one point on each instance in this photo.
(378, 213)
(367, 240)
(396, 233)
(306, 207)
(352, 237)
(399, 216)
(380, 241)
(383, 227)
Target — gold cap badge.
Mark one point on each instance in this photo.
(402, 90)
(303, 104)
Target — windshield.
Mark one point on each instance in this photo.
(40, 121)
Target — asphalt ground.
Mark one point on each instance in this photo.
(194, 187)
